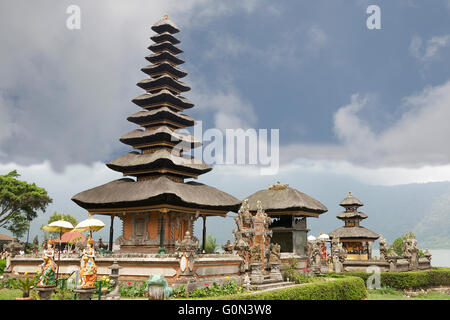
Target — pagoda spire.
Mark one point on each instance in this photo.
(158, 143)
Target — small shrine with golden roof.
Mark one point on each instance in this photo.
(355, 239)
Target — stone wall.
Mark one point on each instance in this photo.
(398, 265)
(138, 267)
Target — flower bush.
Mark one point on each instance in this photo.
(210, 290)
(133, 290)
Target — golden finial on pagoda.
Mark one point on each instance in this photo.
(278, 186)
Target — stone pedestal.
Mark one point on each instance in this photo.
(44, 293)
(275, 272)
(158, 288)
(156, 292)
(337, 265)
(392, 263)
(256, 275)
(114, 294)
(85, 293)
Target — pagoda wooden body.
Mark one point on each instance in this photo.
(159, 206)
(355, 239)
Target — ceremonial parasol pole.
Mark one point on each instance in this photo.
(59, 226)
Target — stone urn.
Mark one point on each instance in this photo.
(158, 288)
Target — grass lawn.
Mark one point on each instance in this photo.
(391, 294)
(10, 294)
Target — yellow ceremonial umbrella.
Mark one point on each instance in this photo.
(60, 226)
(90, 224)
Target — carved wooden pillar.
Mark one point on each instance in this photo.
(111, 233)
(204, 234)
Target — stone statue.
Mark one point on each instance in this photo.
(227, 247)
(255, 254)
(14, 247)
(7, 257)
(342, 252)
(88, 268)
(36, 241)
(338, 255)
(186, 250)
(48, 267)
(316, 256)
(101, 245)
(275, 254)
(383, 249)
(427, 255)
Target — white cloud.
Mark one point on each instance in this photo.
(428, 51)
(419, 138)
(69, 91)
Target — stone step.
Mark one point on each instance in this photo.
(268, 280)
(273, 285)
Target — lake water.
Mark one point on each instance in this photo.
(439, 257)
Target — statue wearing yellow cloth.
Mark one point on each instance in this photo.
(88, 272)
(48, 267)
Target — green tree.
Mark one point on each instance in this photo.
(19, 198)
(397, 245)
(211, 245)
(18, 225)
(61, 216)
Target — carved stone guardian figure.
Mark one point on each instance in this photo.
(186, 250)
(383, 249)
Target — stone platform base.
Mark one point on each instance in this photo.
(85, 294)
(44, 293)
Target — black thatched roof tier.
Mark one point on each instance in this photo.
(161, 159)
(354, 232)
(351, 200)
(351, 214)
(164, 82)
(127, 193)
(163, 68)
(163, 115)
(165, 25)
(165, 46)
(163, 98)
(164, 56)
(284, 201)
(165, 36)
(161, 135)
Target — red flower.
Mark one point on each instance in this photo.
(129, 282)
(307, 270)
(206, 284)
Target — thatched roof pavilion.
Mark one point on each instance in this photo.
(289, 207)
(159, 206)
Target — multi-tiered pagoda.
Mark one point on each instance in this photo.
(355, 239)
(158, 206)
